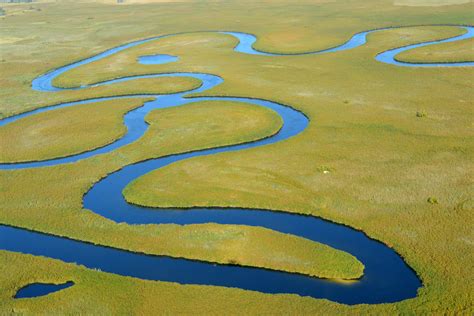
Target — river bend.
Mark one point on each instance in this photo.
(387, 278)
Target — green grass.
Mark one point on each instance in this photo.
(445, 52)
(65, 131)
(385, 163)
(194, 126)
(429, 3)
(101, 293)
(139, 86)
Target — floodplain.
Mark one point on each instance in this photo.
(387, 150)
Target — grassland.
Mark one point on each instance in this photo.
(139, 86)
(66, 131)
(199, 125)
(385, 162)
(447, 52)
(430, 3)
(93, 292)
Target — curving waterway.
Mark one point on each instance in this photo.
(387, 278)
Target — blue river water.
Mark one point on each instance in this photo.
(40, 289)
(389, 56)
(387, 278)
(246, 42)
(157, 59)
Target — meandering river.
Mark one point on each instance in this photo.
(387, 278)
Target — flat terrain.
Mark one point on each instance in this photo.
(65, 132)
(430, 3)
(448, 52)
(388, 149)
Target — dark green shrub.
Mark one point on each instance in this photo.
(420, 114)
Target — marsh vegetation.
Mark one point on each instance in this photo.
(388, 170)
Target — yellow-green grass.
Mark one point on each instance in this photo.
(429, 3)
(66, 131)
(99, 293)
(362, 129)
(228, 121)
(197, 125)
(384, 162)
(445, 52)
(192, 46)
(160, 85)
(60, 38)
